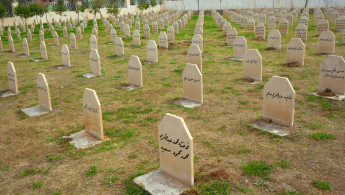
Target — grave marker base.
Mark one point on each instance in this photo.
(82, 140)
(34, 111)
(270, 127)
(6, 93)
(22, 56)
(157, 182)
(232, 58)
(129, 87)
(37, 60)
(336, 97)
(89, 75)
(187, 103)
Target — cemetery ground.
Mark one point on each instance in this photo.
(229, 155)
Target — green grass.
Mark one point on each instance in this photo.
(91, 171)
(36, 185)
(258, 168)
(133, 188)
(214, 187)
(323, 185)
(321, 136)
(244, 189)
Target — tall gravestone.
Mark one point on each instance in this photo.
(271, 22)
(252, 65)
(260, 31)
(231, 36)
(146, 29)
(119, 48)
(56, 39)
(192, 83)
(195, 56)
(135, 71)
(92, 112)
(274, 39)
(29, 39)
(136, 38)
(112, 35)
(73, 41)
(239, 47)
(279, 101)
(170, 33)
(332, 75)
(295, 52)
(163, 40)
(12, 78)
(43, 50)
(93, 42)
(301, 32)
(11, 44)
(152, 55)
(26, 47)
(327, 42)
(127, 31)
(95, 62)
(65, 56)
(41, 35)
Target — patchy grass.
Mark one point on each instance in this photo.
(258, 168)
(91, 171)
(321, 136)
(323, 185)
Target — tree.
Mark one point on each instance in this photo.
(113, 7)
(59, 7)
(23, 11)
(153, 3)
(81, 9)
(96, 6)
(2, 12)
(8, 6)
(328, 3)
(306, 3)
(143, 5)
(37, 9)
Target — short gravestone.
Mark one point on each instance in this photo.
(231, 36)
(73, 41)
(95, 64)
(303, 20)
(11, 44)
(92, 114)
(93, 42)
(170, 33)
(271, 22)
(250, 25)
(65, 33)
(79, 35)
(340, 23)
(301, 32)
(332, 75)
(326, 43)
(163, 40)
(65, 56)
(260, 31)
(152, 55)
(43, 50)
(44, 102)
(112, 35)
(146, 29)
(135, 72)
(283, 26)
(29, 36)
(12, 81)
(26, 47)
(198, 30)
(239, 47)
(252, 65)
(295, 52)
(198, 40)
(56, 39)
(127, 30)
(154, 27)
(274, 40)
(227, 26)
(136, 38)
(195, 56)
(192, 84)
(119, 48)
(176, 172)
(322, 26)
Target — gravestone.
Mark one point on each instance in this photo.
(119, 48)
(95, 32)
(274, 39)
(136, 38)
(78, 31)
(26, 47)
(65, 34)
(326, 43)
(65, 56)
(332, 75)
(198, 40)
(239, 47)
(176, 172)
(112, 35)
(95, 62)
(227, 26)
(12, 78)
(146, 29)
(303, 20)
(41, 35)
(171, 34)
(1, 48)
(295, 52)
(93, 42)
(176, 28)
(301, 32)
(279, 101)
(283, 26)
(250, 25)
(135, 71)
(199, 31)
(271, 22)
(163, 40)
(340, 23)
(56, 39)
(43, 50)
(44, 102)
(127, 31)
(231, 36)
(154, 27)
(322, 25)
(252, 65)
(195, 56)
(260, 31)
(29, 36)
(152, 55)
(73, 41)
(92, 112)
(192, 84)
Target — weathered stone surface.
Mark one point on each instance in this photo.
(252, 65)
(127, 31)
(26, 47)
(135, 71)
(231, 36)
(65, 56)
(43, 50)
(11, 44)
(332, 74)
(239, 47)
(112, 35)
(56, 39)
(93, 42)
(170, 33)
(295, 51)
(95, 62)
(152, 55)
(322, 25)
(327, 42)
(119, 47)
(279, 101)
(163, 40)
(283, 26)
(301, 32)
(192, 83)
(12, 78)
(195, 56)
(260, 31)
(136, 38)
(73, 41)
(198, 40)
(146, 29)
(274, 39)
(271, 22)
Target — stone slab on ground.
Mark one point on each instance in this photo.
(82, 140)
(270, 127)
(89, 75)
(6, 93)
(157, 183)
(337, 97)
(186, 103)
(34, 111)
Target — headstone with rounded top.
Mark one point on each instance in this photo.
(163, 40)
(136, 38)
(152, 55)
(192, 84)
(56, 39)
(29, 36)
(274, 39)
(26, 47)
(301, 32)
(171, 34)
(65, 56)
(12, 81)
(239, 47)
(252, 65)
(119, 47)
(43, 50)
(326, 43)
(127, 30)
(11, 44)
(231, 36)
(271, 22)
(73, 41)
(332, 75)
(112, 35)
(260, 31)
(146, 29)
(195, 56)
(283, 26)
(135, 71)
